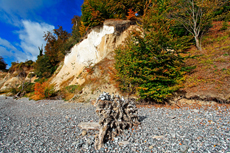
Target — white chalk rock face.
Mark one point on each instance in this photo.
(99, 42)
(86, 52)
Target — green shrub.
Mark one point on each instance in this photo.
(29, 63)
(37, 80)
(40, 80)
(43, 67)
(49, 91)
(31, 75)
(224, 26)
(28, 87)
(14, 90)
(222, 13)
(73, 88)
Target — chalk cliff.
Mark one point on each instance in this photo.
(98, 43)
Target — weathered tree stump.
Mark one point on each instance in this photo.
(115, 115)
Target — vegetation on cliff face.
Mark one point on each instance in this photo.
(152, 63)
(15, 66)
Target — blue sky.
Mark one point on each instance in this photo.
(23, 23)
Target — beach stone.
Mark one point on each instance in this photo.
(158, 137)
(184, 148)
(89, 125)
(195, 110)
(83, 133)
(122, 143)
(173, 134)
(150, 147)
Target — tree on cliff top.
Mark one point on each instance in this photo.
(55, 45)
(76, 21)
(121, 8)
(2, 63)
(95, 12)
(55, 50)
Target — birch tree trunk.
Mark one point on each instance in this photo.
(198, 43)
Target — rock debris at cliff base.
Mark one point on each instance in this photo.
(51, 126)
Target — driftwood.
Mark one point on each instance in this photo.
(19, 95)
(115, 115)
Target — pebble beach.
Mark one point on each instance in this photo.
(52, 126)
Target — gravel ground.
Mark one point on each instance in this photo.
(51, 126)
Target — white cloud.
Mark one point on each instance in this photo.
(9, 51)
(31, 37)
(30, 33)
(7, 45)
(5, 52)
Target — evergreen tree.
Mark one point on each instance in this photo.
(150, 62)
(43, 67)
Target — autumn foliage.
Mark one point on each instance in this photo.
(76, 21)
(82, 29)
(131, 15)
(43, 90)
(55, 47)
(95, 12)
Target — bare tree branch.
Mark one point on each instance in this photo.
(192, 14)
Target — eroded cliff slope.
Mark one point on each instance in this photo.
(99, 42)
